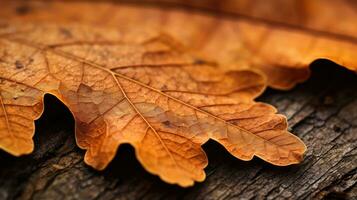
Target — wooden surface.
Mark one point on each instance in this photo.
(322, 111)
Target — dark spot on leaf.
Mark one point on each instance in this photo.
(18, 64)
(164, 87)
(199, 62)
(67, 33)
(166, 123)
(23, 9)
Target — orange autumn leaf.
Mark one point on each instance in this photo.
(130, 87)
(280, 38)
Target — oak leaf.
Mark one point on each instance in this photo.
(280, 38)
(130, 87)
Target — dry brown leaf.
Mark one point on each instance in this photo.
(280, 38)
(301, 31)
(131, 87)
